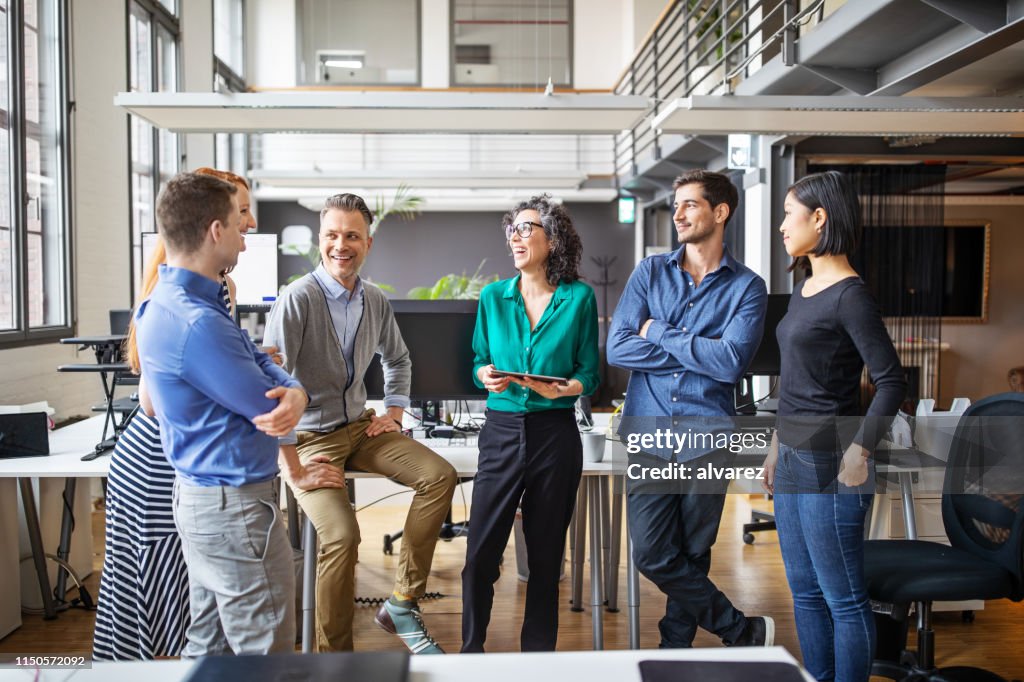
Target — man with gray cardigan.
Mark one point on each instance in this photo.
(328, 325)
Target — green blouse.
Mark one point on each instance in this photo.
(564, 344)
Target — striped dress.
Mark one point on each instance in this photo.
(142, 610)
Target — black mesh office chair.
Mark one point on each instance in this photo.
(983, 515)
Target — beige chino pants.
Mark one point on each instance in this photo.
(404, 461)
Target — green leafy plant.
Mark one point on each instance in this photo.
(455, 286)
(404, 205)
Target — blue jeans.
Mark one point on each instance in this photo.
(821, 533)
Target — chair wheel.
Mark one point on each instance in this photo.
(967, 616)
(748, 538)
(389, 548)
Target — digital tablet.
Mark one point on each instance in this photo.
(536, 377)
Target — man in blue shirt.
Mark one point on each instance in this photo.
(687, 326)
(219, 402)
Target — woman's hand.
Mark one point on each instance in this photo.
(770, 462)
(550, 389)
(492, 382)
(275, 354)
(853, 470)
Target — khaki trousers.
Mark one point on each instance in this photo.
(404, 461)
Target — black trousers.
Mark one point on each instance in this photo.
(537, 458)
(673, 527)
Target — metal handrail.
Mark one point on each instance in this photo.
(667, 63)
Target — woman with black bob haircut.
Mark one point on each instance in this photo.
(543, 321)
(820, 472)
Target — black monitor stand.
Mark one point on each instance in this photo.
(746, 405)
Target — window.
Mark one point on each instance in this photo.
(35, 249)
(514, 43)
(230, 151)
(155, 154)
(229, 40)
(358, 42)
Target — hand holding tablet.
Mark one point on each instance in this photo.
(562, 381)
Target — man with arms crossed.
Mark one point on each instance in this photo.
(687, 325)
(219, 401)
(328, 325)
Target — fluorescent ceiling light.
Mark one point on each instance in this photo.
(339, 59)
(385, 112)
(344, 63)
(467, 179)
(842, 115)
(439, 199)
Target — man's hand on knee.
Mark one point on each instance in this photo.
(379, 425)
(316, 473)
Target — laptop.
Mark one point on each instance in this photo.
(24, 435)
(385, 666)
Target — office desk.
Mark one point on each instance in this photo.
(67, 445)
(602, 666)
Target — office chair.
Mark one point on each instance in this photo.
(983, 515)
(449, 529)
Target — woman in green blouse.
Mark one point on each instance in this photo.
(542, 321)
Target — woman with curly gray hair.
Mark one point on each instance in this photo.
(543, 322)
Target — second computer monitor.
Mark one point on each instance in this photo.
(439, 335)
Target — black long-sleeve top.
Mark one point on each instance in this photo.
(825, 341)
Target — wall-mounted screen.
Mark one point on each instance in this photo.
(946, 269)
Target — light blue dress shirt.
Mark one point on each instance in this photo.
(207, 381)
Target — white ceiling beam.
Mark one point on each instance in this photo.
(469, 179)
(385, 112)
(832, 115)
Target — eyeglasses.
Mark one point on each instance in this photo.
(525, 229)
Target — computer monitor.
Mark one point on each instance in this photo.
(255, 275)
(768, 360)
(439, 335)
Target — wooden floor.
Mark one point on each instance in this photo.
(752, 575)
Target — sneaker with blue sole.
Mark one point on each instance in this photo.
(406, 621)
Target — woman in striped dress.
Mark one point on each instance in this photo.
(143, 609)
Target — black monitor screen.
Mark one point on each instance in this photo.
(767, 360)
(439, 335)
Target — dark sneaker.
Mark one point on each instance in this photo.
(760, 631)
(406, 621)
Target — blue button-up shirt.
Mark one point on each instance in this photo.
(700, 343)
(346, 308)
(207, 381)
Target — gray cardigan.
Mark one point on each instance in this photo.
(300, 325)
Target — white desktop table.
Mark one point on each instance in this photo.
(67, 445)
(593, 666)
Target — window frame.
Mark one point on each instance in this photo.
(302, 6)
(159, 18)
(571, 19)
(235, 81)
(23, 334)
